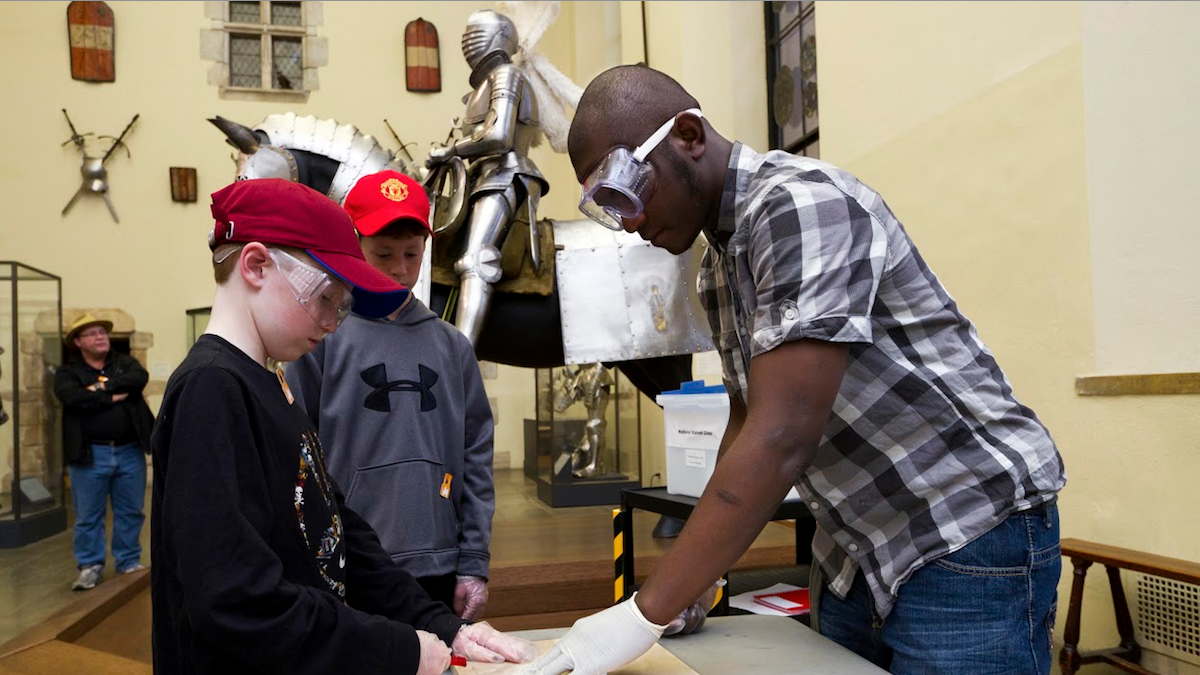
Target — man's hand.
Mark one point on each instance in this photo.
(600, 643)
(470, 597)
(481, 642)
(435, 655)
(117, 398)
(691, 619)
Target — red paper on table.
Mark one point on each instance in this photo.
(788, 602)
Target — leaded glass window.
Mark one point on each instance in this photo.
(792, 77)
(285, 59)
(245, 60)
(285, 14)
(245, 12)
(266, 45)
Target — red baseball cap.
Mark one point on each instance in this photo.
(382, 198)
(278, 211)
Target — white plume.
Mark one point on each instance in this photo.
(556, 94)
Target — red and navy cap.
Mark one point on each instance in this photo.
(280, 212)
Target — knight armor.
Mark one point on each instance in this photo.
(498, 128)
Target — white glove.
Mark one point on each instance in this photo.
(481, 642)
(600, 643)
(470, 597)
(435, 655)
(691, 619)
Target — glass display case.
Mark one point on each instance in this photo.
(584, 447)
(197, 323)
(32, 492)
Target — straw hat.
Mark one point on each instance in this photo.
(83, 322)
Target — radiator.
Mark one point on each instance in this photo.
(1166, 619)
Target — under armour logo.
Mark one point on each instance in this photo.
(376, 377)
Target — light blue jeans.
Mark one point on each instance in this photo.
(986, 609)
(120, 473)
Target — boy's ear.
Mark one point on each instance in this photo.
(251, 263)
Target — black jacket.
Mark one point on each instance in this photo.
(258, 564)
(125, 376)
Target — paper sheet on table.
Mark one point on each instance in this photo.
(746, 600)
(657, 661)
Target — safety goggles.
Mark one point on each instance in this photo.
(326, 300)
(619, 186)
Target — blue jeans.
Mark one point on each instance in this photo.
(120, 473)
(986, 609)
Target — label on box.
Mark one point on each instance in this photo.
(695, 458)
(695, 427)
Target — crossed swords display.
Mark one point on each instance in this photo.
(95, 176)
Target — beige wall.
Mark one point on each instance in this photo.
(1002, 135)
(1143, 160)
(154, 263)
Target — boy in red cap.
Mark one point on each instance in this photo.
(259, 565)
(400, 404)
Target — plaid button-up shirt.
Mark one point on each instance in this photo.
(926, 448)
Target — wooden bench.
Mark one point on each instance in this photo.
(1128, 655)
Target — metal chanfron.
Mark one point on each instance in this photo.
(358, 154)
(623, 299)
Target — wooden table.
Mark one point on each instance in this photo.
(754, 645)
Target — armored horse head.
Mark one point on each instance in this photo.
(322, 154)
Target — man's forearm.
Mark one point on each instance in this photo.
(792, 393)
(745, 490)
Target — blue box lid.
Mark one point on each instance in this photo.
(697, 387)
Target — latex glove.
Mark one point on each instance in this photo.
(470, 597)
(691, 619)
(481, 642)
(435, 655)
(600, 643)
(437, 155)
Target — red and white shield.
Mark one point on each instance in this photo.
(423, 66)
(90, 29)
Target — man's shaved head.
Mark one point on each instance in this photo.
(684, 174)
(623, 106)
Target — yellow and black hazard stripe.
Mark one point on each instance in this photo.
(618, 557)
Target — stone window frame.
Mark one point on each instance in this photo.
(214, 47)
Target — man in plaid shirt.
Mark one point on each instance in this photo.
(853, 376)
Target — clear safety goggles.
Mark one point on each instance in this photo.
(326, 299)
(618, 187)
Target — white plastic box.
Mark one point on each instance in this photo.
(694, 417)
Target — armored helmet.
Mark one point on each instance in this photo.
(488, 31)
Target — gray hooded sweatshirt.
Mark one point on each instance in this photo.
(407, 430)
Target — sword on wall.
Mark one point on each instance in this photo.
(95, 176)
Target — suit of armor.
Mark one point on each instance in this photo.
(498, 128)
(592, 384)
